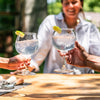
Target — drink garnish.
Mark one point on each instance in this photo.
(57, 29)
(21, 34)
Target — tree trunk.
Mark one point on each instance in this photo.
(35, 11)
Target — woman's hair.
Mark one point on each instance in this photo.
(80, 0)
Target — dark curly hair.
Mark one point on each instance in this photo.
(80, 0)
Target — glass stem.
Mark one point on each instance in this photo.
(64, 63)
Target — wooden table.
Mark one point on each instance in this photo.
(57, 87)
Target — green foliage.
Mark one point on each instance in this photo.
(92, 5)
(89, 6)
(7, 5)
(6, 21)
(41, 68)
(54, 8)
(4, 71)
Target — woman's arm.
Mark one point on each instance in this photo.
(80, 58)
(13, 63)
(4, 62)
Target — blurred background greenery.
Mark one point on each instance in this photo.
(26, 15)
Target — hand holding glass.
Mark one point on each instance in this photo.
(27, 46)
(64, 41)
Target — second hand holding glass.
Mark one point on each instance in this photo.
(63, 40)
(26, 45)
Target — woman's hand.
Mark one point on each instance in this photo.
(80, 58)
(17, 62)
(77, 56)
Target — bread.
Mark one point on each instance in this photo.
(19, 81)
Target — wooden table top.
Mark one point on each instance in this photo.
(57, 87)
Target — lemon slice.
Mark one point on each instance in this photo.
(21, 34)
(57, 29)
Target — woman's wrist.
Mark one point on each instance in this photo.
(90, 62)
(86, 60)
(4, 62)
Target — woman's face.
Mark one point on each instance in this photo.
(71, 8)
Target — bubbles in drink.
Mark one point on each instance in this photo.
(27, 47)
(64, 42)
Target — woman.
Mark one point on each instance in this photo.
(86, 33)
(14, 63)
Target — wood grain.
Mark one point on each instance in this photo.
(57, 87)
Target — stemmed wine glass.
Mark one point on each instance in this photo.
(26, 45)
(64, 41)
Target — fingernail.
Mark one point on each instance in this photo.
(22, 64)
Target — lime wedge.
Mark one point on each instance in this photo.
(57, 29)
(21, 34)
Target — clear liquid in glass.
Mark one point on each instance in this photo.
(27, 45)
(64, 42)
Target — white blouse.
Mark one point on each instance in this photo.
(86, 34)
